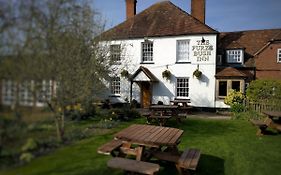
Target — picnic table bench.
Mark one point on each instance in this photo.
(133, 165)
(110, 147)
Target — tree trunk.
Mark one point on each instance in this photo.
(59, 120)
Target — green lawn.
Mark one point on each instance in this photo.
(228, 147)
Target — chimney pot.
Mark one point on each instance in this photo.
(131, 8)
(198, 9)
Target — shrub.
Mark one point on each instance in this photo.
(264, 90)
(234, 97)
(29, 145)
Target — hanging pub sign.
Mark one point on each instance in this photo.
(202, 52)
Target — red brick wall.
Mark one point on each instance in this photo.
(266, 63)
(131, 8)
(198, 9)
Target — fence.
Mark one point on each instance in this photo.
(274, 105)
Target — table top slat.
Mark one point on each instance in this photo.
(127, 132)
(143, 132)
(150, 135)
(176, 137)
(168, 135)
(273, 113)
(162, 134)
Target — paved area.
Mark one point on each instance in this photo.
(209, 115)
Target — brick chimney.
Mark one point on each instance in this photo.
(198, 9)
(131, 8)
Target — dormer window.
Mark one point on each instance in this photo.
(147, 51)
(235, 56)
(278, 55)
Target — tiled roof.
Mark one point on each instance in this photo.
(161, 19)
(252, 40)
(147, 72)
(231, 72)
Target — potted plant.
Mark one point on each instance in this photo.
(197, 73)
(125, 73)
(166, 74)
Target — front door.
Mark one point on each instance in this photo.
(145, 94)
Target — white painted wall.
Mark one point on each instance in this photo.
(201, 92)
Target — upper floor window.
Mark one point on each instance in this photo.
(183, 51)
(147, 51)
(278, 55)
(235, 56)
(115, 52)
(182, 87)
(115, 85)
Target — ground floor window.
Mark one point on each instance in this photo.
(115, 85)
(26, 93)
(224, 86)
(44, 91)
(9, 89)
(182, 87)
(26, 96)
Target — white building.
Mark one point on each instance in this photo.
(164, 37)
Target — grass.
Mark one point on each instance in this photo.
(228, 147)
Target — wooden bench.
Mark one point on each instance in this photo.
(161, 119)
(262, 125)
(133, 166)
(188, 160)
(110, 147)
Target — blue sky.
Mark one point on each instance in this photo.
(222, 15)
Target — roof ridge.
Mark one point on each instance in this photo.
(193, 17)
(252, 30)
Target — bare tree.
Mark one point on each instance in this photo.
(56, 41)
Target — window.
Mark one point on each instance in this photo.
(278, 55)
(25, 93)
(235, 85)
(115, 53)
(115, 85)
(235, 56)
(225, 85)
(44, 92)
(147, 51)
(223, 88)
(183, 51)
(182, 87)
(8, 92)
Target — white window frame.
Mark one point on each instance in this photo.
(115, 85)
(184, 89)
(235, 56)
(115, 53)
(279, 55)
(9, 90)
(147, 52)
(183, 51)
(26, 97)
(44, 92)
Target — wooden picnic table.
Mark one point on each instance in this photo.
(273, 120)
(162, 113)
(147, 141)
(183, 102)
